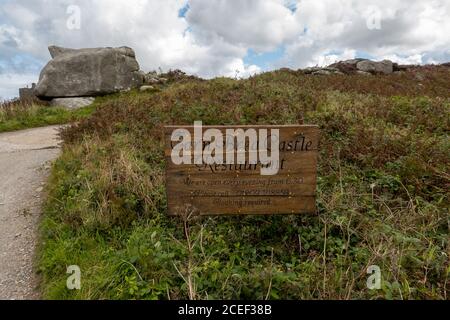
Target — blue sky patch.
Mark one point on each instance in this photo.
(292, 6)
(21, 63)
(264, 60)
(182, 12)
(364, 55)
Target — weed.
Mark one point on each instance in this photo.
(17, 114)
(382, 195)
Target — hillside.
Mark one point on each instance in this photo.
(382, 194)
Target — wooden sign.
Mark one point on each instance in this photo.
(241, 188)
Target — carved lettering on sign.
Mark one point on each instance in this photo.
(238, 183)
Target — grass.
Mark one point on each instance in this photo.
(17, 115)
(382, 195)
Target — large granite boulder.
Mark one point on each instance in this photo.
(385, 66)
(88, 72)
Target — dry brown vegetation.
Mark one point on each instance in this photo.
(21, 114)
(382, 194)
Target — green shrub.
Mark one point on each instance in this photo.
(382, 195)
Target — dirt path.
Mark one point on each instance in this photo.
(24, 166)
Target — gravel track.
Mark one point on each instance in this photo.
(25, 158)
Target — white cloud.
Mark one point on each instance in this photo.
(406, 29)
(153, 28)
(9, 84)
(412, 59)
(215, 35)
(327, 59)
(261, 25)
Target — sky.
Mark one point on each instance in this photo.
(233, 38)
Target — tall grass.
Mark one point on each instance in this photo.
(22, 114)
(382, 195)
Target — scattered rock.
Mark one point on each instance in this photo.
(146, 88)
(152, 80)
(347, 66)
(321, 72)
(72, 103)
(310, 70)
(356, 66)
(176, 74)
(88, 72)
(364, 73)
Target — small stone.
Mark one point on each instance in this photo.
(322, 72)
(152, 80)
(146, 88)
(39, 189)
(310, 70)
(72, 103)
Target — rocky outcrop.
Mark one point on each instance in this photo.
(383, 67)
(153, 78)
(346, 66)
(355, 66)
(321, 71)
(88, 72)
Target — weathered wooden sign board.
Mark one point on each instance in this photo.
(224, 189)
